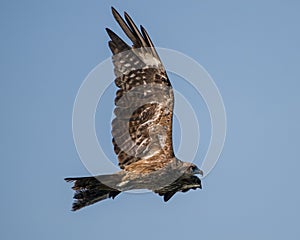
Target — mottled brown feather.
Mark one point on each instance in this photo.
(142, 127)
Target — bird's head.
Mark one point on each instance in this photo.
(195, 170)
(192, 169)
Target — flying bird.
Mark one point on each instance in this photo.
(142, 127)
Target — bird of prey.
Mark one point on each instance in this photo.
(142, 127)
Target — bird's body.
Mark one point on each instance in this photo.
(142, 128)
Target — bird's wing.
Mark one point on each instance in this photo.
(142, 127)
(182, 184)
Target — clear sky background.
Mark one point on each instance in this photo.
(251, 49)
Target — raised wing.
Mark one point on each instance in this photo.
(142, 128)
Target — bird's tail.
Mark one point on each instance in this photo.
(89, 190)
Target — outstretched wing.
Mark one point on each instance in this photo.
(182, 184)
(142, 127)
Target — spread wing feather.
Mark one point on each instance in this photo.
(142, 127)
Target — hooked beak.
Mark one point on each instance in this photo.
(198, 171)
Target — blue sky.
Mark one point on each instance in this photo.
(251, 49)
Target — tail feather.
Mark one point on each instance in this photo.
(89, 190)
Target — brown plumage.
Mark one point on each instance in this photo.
(142, 127)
